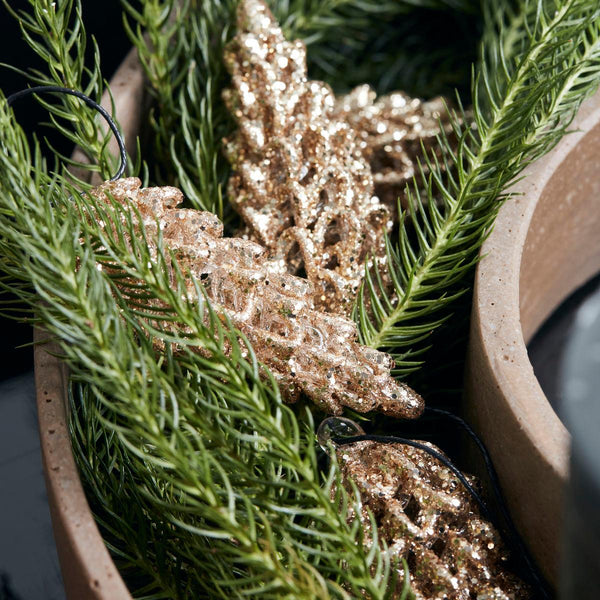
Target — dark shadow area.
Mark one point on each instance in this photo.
(546, 349)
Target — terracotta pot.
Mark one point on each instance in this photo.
(87, 568)
(544, 245)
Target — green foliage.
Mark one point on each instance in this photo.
(342, 32)
(424, 53)
(195, 450)
(423, 48)
(180, 45)
(538, 64)
(61, 41)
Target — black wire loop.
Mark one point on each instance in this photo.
(389, 439)
(511, 528)
(41, 89)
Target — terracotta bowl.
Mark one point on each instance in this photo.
(544, 245)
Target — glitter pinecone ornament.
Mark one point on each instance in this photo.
(299, 181)
(306, 350)
(426, 516)
(391, 131)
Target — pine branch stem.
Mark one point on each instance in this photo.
(476, 162)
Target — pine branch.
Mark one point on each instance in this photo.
(537, 67)
(224, 474)
(55, 32)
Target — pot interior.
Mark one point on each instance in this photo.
(562, 247)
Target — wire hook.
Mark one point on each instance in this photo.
(92, 104)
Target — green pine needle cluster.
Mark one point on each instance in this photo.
(204, 483)
(180, 45)
(537, 65)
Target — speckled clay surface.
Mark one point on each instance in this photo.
(544, 245)
(87, 568)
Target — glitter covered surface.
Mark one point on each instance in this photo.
(300, 180)
(426, 516)
(390, 131)
(307, 351)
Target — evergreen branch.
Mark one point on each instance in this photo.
(55, 32)
(197, 448)
(180, 45)
(537, 67)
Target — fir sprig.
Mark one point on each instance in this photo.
(55, 32)
(180, 45)
(223, 475)
(538, 64)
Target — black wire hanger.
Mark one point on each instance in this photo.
(343, 431)
(42, 89)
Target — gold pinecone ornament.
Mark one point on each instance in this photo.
(305, 349)
(392, 131)
(299, 181)
(426, 516)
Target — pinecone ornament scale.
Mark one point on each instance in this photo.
(299, 181)
(392, 131)
(426, 516)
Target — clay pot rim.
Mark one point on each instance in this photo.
(498, 277)
(523, 275)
